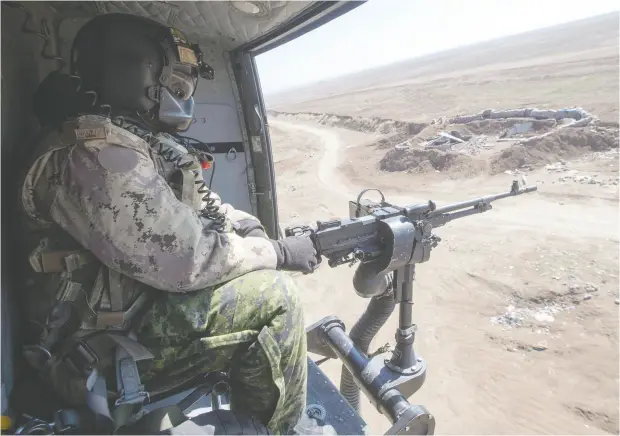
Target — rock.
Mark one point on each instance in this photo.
(539, 347)
(617, 301)
(511, 349)
(294, 215)
(590, 288)
(587, 296)
(557, 167)
(573, 287)
(555, 278)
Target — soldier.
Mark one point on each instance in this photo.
(126, 235)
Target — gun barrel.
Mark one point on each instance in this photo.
(476, 201)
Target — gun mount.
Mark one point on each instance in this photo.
(386, 241)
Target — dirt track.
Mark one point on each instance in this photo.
(516, 308)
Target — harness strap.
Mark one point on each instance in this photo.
(97, 401)
(116, 290)
(56, 261)
(131, 393)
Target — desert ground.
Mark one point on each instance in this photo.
(517, 309)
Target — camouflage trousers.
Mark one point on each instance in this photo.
(252, 326)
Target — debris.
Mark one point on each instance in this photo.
(518, 129)
(513, 172)
(462, 143)
(590, 288)
(451, 137)
(557, 167)
(517, 317)
(544, 317)
(577, 114)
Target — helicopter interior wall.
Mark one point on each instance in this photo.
(231, 23)
(22, 71)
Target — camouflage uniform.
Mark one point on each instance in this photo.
(224, 304)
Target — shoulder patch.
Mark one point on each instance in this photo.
(85, 133)
(117, 159)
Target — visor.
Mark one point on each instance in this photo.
(182, 85)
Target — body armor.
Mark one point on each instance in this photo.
(68, 289)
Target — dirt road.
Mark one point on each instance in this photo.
(516, 309)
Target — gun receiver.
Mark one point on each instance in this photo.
(363, 236)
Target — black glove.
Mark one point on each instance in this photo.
(296, 253)
(248, 227)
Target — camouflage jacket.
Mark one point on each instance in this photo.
(112, 192)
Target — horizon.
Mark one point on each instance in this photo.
(282, 70)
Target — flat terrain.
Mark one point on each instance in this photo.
(517, 308)
(574, 64)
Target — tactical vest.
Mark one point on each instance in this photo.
(68, 290)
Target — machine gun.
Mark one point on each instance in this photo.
(386, 241)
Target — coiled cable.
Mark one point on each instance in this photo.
(210, 210)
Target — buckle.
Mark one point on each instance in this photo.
(83, 357)
(66, 420)
(35, 426)
(136, 398)
(37, 356)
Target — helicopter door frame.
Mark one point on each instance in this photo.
(263, 190)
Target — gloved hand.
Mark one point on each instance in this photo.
(248, 227)
(296, 253)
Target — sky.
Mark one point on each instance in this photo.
(381, 32)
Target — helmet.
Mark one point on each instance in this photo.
(139, 67)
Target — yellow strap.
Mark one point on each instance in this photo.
(6, 423)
